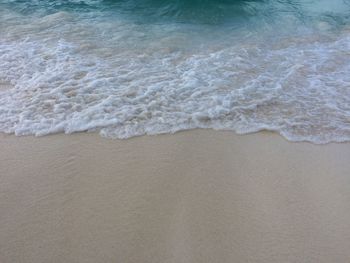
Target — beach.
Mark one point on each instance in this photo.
(194, 196)
(187, 131)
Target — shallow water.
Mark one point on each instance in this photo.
(133, 67)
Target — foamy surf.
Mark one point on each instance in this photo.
(81, 67)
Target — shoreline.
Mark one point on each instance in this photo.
(193, 196)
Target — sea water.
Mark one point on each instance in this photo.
(132, 67)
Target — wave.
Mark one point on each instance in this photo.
(194, 11)
(105, 66)
(204, 11)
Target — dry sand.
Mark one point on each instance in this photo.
(198, 196)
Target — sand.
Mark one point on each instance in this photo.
(196, 196)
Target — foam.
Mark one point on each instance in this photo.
(124, 79)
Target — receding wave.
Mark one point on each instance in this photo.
(130, 67)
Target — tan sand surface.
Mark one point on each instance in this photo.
(198, 196)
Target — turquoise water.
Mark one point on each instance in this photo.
(132, 67)
(192, 11)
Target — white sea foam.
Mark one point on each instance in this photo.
(124, 79)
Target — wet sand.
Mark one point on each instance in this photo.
(196, 196)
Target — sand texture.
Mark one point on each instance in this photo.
(199, 196)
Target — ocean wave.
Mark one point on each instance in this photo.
(72, 73)
(194, 11)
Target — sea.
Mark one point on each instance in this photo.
(126, 68)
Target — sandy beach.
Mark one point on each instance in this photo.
(208, 70)
(196, 196)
